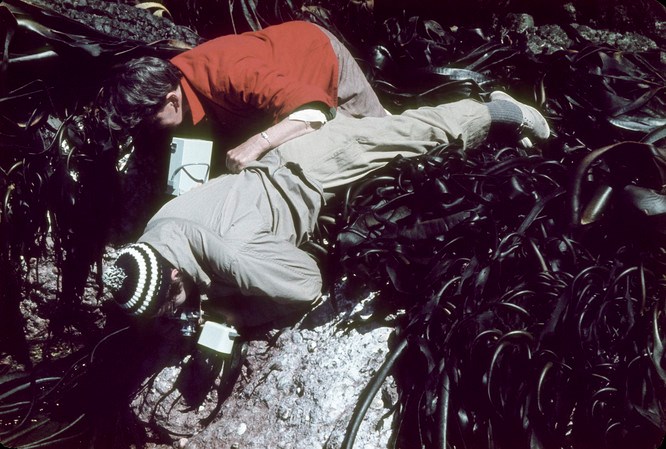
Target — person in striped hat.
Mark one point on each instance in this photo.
(143, 283)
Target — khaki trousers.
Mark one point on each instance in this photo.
(346, 149)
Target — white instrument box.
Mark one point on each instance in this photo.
(218, 337)
(189, 164)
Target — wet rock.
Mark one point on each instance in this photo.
(570, 12)
(518, 23)
(548, 39)
(628, 41)
(163, 407)
(122, 21)
(544, 39)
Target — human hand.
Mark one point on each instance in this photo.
(243, 154)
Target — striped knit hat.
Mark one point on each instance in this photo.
(139, 280)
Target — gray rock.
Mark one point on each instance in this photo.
(548, 39)
(629, 41)
(297, 393)
(518, 23)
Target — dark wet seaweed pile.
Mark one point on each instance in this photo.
(532, 284)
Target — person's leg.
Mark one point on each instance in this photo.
(355, 95)
(346, 149)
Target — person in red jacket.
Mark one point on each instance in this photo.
(264, 87)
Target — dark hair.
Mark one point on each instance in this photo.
(136, 92)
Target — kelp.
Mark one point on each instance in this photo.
(59, 162)
(607, 95)
(81, 400)
(528, 286)
(520, 329)
(59, 185)
(532, 285)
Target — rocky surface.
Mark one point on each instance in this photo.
(297, 389)
(301, 392)
(549, 38)
(123, 20)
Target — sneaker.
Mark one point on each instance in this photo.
(534, 124)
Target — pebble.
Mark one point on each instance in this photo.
(284, 413)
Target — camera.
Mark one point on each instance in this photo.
(187, 320)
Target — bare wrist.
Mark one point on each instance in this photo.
(264, 136)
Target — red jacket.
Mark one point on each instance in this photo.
(259, 76)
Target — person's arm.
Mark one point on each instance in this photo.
(265, 88)
(259, 144)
